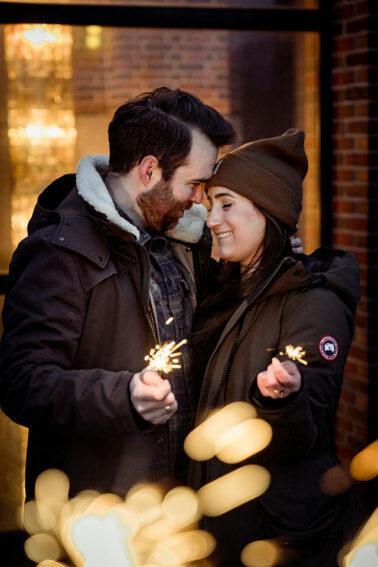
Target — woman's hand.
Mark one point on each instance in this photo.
(279, 380)
(152, 396)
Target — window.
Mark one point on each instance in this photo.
(61, 85)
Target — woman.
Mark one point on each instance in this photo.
(264, 299)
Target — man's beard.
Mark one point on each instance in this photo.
(160, 210)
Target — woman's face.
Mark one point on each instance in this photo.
(236, 224)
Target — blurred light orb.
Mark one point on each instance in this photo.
(261, 553)
(365, 556)
(364, 465)
(181, 504)
(200, 444)
(43, 546)
(233, 489)
(243, 440)
(182, 548)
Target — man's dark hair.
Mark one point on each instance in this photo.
(159, 123)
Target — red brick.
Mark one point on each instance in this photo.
(343, 111)
(362, 75)
(343, 43)
(342, 143)
(358, 127)
(362, 143)
(359, 352)
(357, 159)
(358, 25)
(357, 93)
(357, 190)
(362, 8)
(361, 41)
(342, 77)
(342, 239)
(345, 12)
(343, 174)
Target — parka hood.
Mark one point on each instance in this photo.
(334, 269)
(90, 186)
(340, 270)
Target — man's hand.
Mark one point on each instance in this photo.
(279, 380)
(152, 396)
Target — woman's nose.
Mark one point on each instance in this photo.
(213, 219)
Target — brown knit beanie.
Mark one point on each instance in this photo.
(269, 172)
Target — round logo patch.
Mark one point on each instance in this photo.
(328, 347)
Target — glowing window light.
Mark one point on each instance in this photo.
(33, 131)
(93, 37)
(38, 35)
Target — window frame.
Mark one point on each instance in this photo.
(222, 18)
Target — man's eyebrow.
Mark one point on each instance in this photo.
(202, 180)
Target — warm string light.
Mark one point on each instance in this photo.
(295, 353)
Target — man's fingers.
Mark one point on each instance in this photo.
(151, 378)
(152, 397)
(161, 414)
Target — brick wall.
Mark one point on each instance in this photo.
(130, 62)
(351, 154)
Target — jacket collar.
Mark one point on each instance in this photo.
(333, 269)
(90, 184)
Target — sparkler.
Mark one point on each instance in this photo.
(163, 358)
(295, 353)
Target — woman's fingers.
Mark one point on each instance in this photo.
(279, 380)
(287, 374)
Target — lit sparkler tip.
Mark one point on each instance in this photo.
(296, 353)
(160, 358)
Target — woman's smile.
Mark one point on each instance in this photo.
(221, 235)
(237, 225)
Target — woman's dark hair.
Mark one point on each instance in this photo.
(159, 123)
(231, 286)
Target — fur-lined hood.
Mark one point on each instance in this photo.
(91, 187)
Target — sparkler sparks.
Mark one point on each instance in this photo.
(295, 353)
(163, 358)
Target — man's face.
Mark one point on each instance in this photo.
(164, 204)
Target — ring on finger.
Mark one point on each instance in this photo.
(167, 408)
(281, 391)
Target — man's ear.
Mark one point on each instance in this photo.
(149, 171)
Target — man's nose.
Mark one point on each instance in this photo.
(197, 195)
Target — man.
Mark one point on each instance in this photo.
(104, 268)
